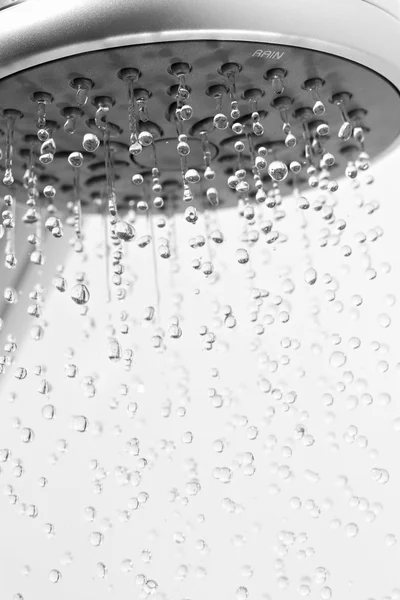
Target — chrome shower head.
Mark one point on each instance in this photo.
(180, 96)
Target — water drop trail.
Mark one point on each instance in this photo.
(107, 256)
(8, 178)
(155, 267)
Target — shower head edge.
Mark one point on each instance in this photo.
(38, 31)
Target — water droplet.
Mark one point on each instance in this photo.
(217, 236)
(5, 454)
(10, 295)
(186, 112)
(8, 178)
(37, 257)
(114, 350)
(60, 283)
(80, 294)
(125, 231)
(328, 159)
(183, 148)
(290, 140)
(242, 256)
(126, 565)
(282, 582)
(135, 148)
(390, 540)
(277, 170)
(212, 196)
(384, 320)
(345, 131)
(220, 121)
(27, 435)
(207, 268)
(310, 276)
(26, 570)
(242, 593)
(192, 176)
(303, 203)
(192, 487)
(137, 179)
(164, 251)
(323, 129)
(75, 159)
(209, 174)
(187, 437)
(55, 576)
(90, 142)
(337, 359)
(295, 503)
(10, 260)
(191, 215)
(101, 570)
(80, 423)
(354, 343)
(351, 530)
(304, 590)
(144, 241)
(20, 373)
(96, 538)
(225, 474)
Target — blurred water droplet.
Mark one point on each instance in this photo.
(242, 256)
(55, 576)
(241, 593)
(310, 276)
(352, 530)
(390, 540)
(80, 423)
(337, 359)
(96, 538)
(304, 590)
(101, 570)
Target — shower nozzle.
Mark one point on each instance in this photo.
(198, 94)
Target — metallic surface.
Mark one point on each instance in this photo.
(392, 7)
(368, 92)
(8, 3)
(37, 31)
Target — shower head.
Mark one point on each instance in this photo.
(266, 98)
(232, 366)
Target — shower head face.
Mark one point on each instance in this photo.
(281, 84)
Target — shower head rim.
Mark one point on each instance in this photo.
(38, 31)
